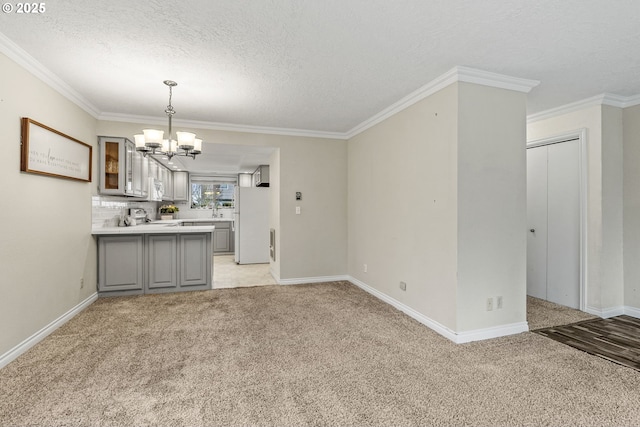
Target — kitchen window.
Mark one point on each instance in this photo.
(212, 192)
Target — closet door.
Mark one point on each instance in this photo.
(553, 216)
(537, 222)
(563, 233)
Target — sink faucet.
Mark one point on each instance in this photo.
(214, 213)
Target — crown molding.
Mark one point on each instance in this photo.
(609, 99)
(456, 74)
(162, 121)
(567, 108)
(487, 78)
(22, 58)
(632, 101)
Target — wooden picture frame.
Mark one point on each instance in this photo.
(46, 151)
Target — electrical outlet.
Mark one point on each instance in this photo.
(489, 304)
(364, 268)
(499, 302)
(403, 286)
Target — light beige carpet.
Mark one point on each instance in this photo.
(323, 354)
(545, 314)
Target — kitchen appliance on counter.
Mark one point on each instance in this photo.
(136, 216)
(251, 221)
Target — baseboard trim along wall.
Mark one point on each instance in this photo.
(632, 311)
(302, 280)
(456, 337)
(34, 339)
(605, 313)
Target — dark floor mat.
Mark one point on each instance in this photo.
(616, 339)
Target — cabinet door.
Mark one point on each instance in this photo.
(162, 262)
(144, 175)
(180, 186)
(120, 263)
(167, 181)
(195, 259)
(153, 169)
(136, 173)
(129, 160)
(221, 240)
(116, 173)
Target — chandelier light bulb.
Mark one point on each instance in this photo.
(153, 137)
(197, 146)
(185, 140)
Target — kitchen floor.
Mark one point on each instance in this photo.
(228, 274)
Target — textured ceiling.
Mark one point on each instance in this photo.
(323, 65)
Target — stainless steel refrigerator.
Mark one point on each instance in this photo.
(251, 219)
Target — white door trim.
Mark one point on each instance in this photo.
(581, 135)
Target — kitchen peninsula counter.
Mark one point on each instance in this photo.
(165, 226)
(156, 257)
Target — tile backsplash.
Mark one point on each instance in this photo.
(106, 211)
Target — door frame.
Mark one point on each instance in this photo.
(581, 136)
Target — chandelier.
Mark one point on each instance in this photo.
(152, 141)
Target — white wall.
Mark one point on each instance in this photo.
(604, 198)
(491, 206)
(46, 222)
(631, 117)
(612, 278)
(437, 200)
(314, 243)
(403, 206)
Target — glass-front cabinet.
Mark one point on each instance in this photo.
(126, 172)
(116, 165)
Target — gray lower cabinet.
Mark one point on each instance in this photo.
(221, 240)
(120, 263)
(223, 235)
(154, 263)
(195, 264)
(162, 262)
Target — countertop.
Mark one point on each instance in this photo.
(171, 226)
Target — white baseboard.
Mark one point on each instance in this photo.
(632, 311)
(605, 313)
(275, 276)
(34, 339)
(318, 279)
(456, 337)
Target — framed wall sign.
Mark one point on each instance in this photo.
(46, 151)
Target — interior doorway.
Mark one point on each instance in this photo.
(555, 219)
